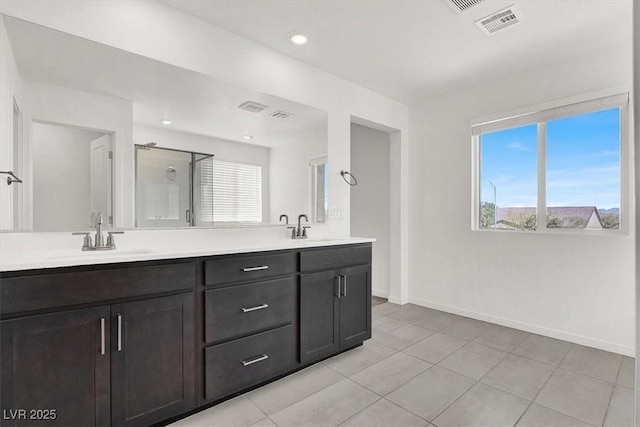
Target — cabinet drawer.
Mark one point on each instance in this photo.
(248, 267)
(236, 365)
(320, 259)
(243, 309)
(60, 289)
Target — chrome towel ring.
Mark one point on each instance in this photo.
(349, 178)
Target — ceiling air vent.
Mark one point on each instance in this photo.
(280, 114)
(252, 106)
(499, 20)
(462, 5)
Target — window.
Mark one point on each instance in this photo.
(318, 189)
(562, 168)
(230, 192)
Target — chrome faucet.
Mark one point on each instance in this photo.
(300, 232)
(286, 218)
(99, 239)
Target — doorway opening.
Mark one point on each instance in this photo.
(371, 199)
(72, 176)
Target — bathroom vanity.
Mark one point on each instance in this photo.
(147, 339)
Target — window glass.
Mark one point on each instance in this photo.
(508, 179)
(237, 192)
(583, 171)
(319, 186)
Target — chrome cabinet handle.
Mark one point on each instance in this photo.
(262, 267)
(187, 215)
(102, 336)
(344, 283)
(258, 307)
(257, 359)
(119, 332)
(339, 286)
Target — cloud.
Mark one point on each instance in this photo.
(518, 146)
(606, 153)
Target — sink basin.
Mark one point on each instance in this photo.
(98, 254)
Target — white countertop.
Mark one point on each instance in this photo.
(143, 246)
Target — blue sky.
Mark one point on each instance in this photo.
(583, 162)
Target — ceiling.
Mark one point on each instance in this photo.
(410, 49)
(194, 102)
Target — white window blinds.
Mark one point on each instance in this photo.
(319, 189)
(230, 192)
(619, 100)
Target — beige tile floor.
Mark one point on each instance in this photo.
(424, 367)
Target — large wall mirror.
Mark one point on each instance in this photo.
(149, 144)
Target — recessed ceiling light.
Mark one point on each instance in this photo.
(298, 38)
(165, 121)
(247, 136)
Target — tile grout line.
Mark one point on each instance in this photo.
(362, 410)
(291, 404)
(405, 382)
(613, 390)
(543, 386)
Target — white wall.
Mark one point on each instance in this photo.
(10, 88)
(290, 173)
(223, 150)
(54, 104)
(61, 177)
(636, 98)
(193, 44)
(575, 287)
(370, 199)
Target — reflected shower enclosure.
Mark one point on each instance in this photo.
(173, 188)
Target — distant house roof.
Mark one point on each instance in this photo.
(569, 216)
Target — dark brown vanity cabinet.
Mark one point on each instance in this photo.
(335, 303)
(56, 369)
(140, 343)
(152, 359)
(250, 321)
(129, 363)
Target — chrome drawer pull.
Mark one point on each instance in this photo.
(254, 360)
(119, 332)
(102, 336)
(258, 307)
(262, 267)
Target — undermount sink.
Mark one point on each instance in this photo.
(98, 254)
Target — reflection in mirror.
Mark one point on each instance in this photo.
(319, 189)
(180, 188)
(163, 187)
(76, 83)
(79, 160)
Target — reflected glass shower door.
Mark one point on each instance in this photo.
(203, 190)
(163, 187)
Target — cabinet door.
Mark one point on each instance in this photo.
(319, 305)
(355, 305)
(152, 359)
(55, 367)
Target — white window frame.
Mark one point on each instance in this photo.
(541, 114)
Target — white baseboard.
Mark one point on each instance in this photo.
(380, 294)
(396, 300)
(552, 333)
